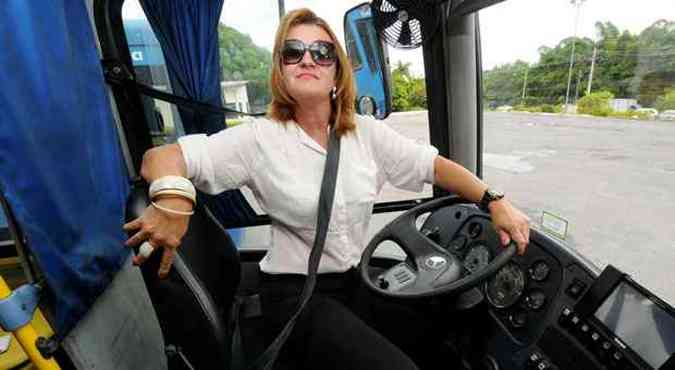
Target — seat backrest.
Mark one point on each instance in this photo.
(194, 302)
(120, 331)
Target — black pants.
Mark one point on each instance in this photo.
(346, 327)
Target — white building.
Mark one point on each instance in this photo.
(623, 105)
(234, 95)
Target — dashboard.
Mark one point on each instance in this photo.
(549, 311)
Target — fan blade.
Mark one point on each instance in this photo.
(387, 19)
(404, 37)
(390, 5)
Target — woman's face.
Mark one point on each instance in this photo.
(307, 80)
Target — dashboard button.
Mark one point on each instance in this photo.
(595, 337)
(576, 288)
(544, 365)
(535, 357)
(606, 347)
(565, 316)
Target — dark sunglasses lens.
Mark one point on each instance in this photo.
(323, 53)
(292, 53)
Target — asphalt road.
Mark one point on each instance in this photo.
(613, 180)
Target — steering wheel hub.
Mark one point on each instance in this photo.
(435, 262)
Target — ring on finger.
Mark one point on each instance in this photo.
(146, 249)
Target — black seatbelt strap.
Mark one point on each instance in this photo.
(188, 103)
(267, 359)
(116, 73)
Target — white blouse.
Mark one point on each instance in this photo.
(283, 167)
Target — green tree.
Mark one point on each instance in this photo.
(503, 84)
(627, 65)
(666, 101)
(241, 59)
(596, 103)
(409, 93)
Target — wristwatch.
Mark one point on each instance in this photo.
(489, 196)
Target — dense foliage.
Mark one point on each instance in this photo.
(640, 67)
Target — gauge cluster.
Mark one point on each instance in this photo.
(520, 294)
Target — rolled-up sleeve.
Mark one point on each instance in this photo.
(221, 161)
(407, 165)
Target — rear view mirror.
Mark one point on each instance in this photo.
(370, 63)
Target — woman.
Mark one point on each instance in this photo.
(281, 159)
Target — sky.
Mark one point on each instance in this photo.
(514, 29)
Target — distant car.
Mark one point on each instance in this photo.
(504, 108)
(667, 115)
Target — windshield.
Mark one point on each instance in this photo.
(579, 102)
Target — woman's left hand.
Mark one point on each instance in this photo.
(510, 223)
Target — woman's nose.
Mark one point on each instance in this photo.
(307, 59)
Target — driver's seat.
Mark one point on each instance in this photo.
(194, 302)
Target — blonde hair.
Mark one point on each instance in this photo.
(282, 107)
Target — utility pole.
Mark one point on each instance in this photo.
(590, 75)
(522, 98)
(282, 8)
(576, 88)
(577, 4)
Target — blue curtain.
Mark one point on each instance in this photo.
(60, 164)
(187, 31)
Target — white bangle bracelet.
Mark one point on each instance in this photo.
(176, 192)
(172, 211)
(172, 183)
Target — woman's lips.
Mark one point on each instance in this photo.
(307, 76)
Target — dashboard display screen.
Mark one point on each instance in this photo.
(646, 327)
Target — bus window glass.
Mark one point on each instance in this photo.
(246, 38)
(150, 69)
(354, 56)
(579, 125)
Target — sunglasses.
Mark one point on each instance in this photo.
(322, 52)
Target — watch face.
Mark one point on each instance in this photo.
(495, 194)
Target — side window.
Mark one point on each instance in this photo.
(246, 38)
(354, 56)
(150, 68)
(245, 51)
(367, 40)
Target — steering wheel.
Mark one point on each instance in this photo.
(434, 270)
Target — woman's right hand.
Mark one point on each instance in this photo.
(160, 229)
